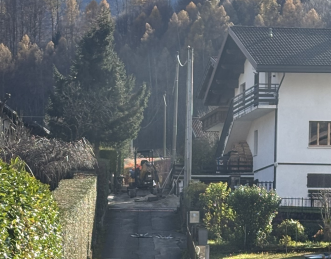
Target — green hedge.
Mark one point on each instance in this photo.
(29, 221)
(76, 199)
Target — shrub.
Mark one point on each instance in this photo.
(29, 217)
(191, 195)
(286, 241)
(254, 208)
(76, 199)
(292, 228)
(217, 213)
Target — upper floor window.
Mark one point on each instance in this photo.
(319, 133)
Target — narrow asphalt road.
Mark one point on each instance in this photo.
(126, 218)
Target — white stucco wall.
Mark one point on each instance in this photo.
(302, 98)
(265, 175)
(291, 180)
(247, 77)
(265, 126)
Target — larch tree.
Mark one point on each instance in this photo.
(97, 100)
(312, 19)
(27, 83)
(246, 10)
(71, 16)
(192, 10)
(230, 11)
(292, 14)
(268, 14)
(155, 20)
(5, 64)
(91, 12)
(171, 37)
(322, 8)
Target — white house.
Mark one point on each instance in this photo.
(275, 84)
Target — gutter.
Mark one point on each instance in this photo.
(276, 126)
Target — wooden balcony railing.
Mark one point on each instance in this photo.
(260, 94)
(213, 118)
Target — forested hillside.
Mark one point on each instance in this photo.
(35, 35)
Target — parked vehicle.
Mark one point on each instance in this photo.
(144, 175)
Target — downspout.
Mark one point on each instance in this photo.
(276, 124)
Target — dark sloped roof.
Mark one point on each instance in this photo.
(289, 49)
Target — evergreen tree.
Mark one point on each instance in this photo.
(312, 19)
(268, 14)
(5, 64)
(292, 14)
(97, 100)
(155, 20)
(192, 10)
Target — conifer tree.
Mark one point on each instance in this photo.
(5, 64)
(97, 100)
(192, 10)
(292, 14)
(312, 19)
(268, 14)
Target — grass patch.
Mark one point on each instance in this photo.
(259, 256)
(227, 251)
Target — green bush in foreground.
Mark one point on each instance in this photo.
(217, 213)
(255, 209)
(29, 222)
(191, 195)
(292, 228)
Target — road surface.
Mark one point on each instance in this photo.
(158, 220)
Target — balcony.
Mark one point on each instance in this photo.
(214, 120)
(255, 101)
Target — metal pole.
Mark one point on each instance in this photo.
(189, 112)
(174, 131)
(165, 127)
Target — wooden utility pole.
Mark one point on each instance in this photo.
(189, 113)
(165, 127)
(174, 131)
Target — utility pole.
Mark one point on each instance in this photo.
(189, 113)
(174, 131)
(165, 127)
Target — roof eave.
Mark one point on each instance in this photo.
(293, 69)
(242, 48)
(215, 68)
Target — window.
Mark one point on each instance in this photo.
(256, 143)
(319, 133)
(319, 180)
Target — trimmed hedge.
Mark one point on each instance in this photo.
(29, 220)
(76, 199)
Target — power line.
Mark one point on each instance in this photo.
(158, 108)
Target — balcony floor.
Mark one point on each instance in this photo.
(255, 113)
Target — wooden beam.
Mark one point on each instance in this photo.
(238, 68)
(232, 51)
(228, 83)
